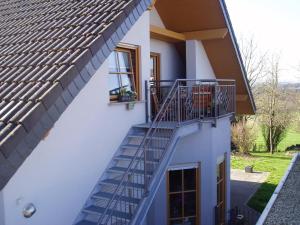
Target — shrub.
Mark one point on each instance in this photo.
(243, 137)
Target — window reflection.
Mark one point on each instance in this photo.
(122, 77)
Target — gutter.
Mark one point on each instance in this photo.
(237, 50)
(272, 200)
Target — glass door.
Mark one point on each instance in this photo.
(183, 197)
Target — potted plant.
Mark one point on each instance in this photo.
(127, 95)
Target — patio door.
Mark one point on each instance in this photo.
(183, 196)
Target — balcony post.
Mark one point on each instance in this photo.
(147, 102)
(178, 105)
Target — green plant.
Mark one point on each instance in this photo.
(127, 95)
(243, 137)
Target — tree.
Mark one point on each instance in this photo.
(275, 106)
(255, 65)
(254, 60)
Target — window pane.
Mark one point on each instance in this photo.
(112, 63)
(190, 204)
(175, 205)
(175, 180)
(127, 82)
(152, 68)
(189, 221)
(176, 222)
(114, 87)
(190, 179)
(124, 63)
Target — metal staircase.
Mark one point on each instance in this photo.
(128, 187)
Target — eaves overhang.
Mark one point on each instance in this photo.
(193, 18)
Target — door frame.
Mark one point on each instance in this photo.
(198, 190)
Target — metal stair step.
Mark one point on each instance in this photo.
(162, 125)
(117, 182)
(131, 146)
(102, 194)
(100, 210)
(153, 138)
(124, 169)
(86, 222)
(130, 157)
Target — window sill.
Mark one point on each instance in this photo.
(124, 103)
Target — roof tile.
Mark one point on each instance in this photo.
(49, 49)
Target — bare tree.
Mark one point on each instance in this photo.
(254, 60)
(275, 106)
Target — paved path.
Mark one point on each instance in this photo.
(243, 186)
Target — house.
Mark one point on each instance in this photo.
(117, 111)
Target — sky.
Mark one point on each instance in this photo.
(275, 26)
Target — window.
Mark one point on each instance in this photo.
(123, 74)
(221, 192)
(183, 197)
(154, 75)
(154, 66)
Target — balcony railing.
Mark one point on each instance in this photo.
(195, 99)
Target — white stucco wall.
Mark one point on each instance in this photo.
(197, 62)
(62, 170)
(155, 19)
(1, 209)
(171, 64)
(203, 147)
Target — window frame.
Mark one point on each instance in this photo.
(221, 191)
(197, 191)
(134, 54)
(157, 58)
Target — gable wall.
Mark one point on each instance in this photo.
(62, 170)
(155, 19)
(171, 64)
(1, 209)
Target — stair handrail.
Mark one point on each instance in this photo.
(161, 111)
(173, 94)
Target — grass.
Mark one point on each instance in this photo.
(292, 138)
(276, 164)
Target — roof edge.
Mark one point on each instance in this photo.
(237, 50)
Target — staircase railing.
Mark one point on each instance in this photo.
(186, 100)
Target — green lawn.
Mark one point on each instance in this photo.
(276, 164)
(292, 138)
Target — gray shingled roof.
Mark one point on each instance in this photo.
(49, 49)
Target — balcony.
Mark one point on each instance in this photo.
(187, 100)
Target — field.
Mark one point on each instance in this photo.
(276, 164)
(292, 138)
